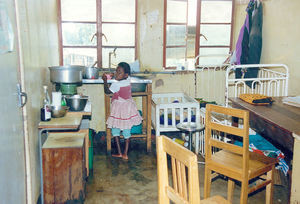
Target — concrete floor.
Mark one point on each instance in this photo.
(135, 181)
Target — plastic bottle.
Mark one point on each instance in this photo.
(63, 101)
(46, 109)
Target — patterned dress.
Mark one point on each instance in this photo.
(124, 113)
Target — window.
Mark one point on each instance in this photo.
(97, 30)
(196, 27)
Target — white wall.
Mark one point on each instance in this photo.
(281, 35)
(39, 42)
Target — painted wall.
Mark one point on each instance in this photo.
(281, 31)
(150, 38)
(39, 42)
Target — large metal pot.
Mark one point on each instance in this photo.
(66, 74)
(90, 73)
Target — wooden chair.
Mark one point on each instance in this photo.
(185, 181)
(234, 161)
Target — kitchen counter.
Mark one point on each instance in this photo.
(70, 122)
(135, 80)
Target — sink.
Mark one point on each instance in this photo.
(138, 87)
(138, 83)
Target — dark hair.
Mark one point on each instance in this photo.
(125, 67)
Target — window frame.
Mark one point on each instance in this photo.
(99, 46)
(198, 27)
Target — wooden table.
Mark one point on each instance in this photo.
(281, 124)
(70, 122)
(146, 110)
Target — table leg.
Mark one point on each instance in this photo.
(144, 111)
(295, 195)
(149, 98)
(87, 143)
(190, 141)
(108, 130)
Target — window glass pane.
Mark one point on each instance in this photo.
(122, 55)
(216, 11)
(78, 10)
(123, 12)
(176, 35)
(175, 57)
(215, 34)
(191, 48)
(78, 34)
(192, 12)
(79, 56)
(119, 34)
(213, 56)
(176, 11)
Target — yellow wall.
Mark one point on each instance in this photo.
(281, 31)
(39, 42)
(150, 34)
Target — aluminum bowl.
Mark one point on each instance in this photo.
(76, 102)
(59, 111)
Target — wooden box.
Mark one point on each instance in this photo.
(64, 168)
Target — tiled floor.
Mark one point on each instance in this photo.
(135, 181)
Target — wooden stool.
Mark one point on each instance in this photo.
(146, 110)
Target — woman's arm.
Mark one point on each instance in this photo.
(106, 88)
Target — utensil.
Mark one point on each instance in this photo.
(66, 74)
(58, 111)
(76, 102)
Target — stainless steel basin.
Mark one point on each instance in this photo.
(76, 102)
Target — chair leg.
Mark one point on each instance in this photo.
(244, 192)
(230, 190)
(269, 187)
(207, 182)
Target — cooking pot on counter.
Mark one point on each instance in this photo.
(66, 74)
(90, 73)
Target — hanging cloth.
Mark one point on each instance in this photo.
(255, 43)
(242, 45)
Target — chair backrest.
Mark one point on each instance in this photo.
(185, 180)
(239, 130)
